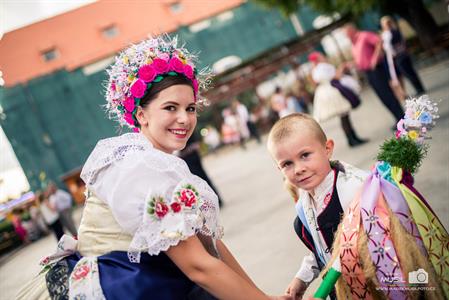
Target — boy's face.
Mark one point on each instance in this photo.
(303, 159)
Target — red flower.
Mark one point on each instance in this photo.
(129, 118)
(80, 272)
(160, 65)
(176, 65)
(188, 197)
(147, 73)
(161, 209)
(129, 104)
(188, 71)
(176, 207)
(138, 88)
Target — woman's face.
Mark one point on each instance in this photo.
(169, 119)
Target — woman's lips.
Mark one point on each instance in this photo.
(179, 133)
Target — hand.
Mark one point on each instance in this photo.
(296, 288)
(373, 63)
(395, 82)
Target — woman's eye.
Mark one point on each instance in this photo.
(191, 109)
(170, 108)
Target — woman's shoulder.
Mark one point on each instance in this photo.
(127, 152)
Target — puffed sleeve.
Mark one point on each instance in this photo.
(154, 197)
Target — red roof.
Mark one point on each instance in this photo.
(78, 34)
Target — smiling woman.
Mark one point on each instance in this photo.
(149, 226)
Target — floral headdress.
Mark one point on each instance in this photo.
(139, 66)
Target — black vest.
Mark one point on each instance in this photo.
(328, 221)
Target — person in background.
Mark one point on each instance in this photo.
(20, 230)
(279, 103)
(62, 202)
(398, 59)
(248, 126)
(51, 216)
(191, 155)
(368, 57)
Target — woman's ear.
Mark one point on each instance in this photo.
(329, 148)
(141, 117)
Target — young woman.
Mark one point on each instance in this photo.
(149, 228)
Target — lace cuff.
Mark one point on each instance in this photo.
(166, 222)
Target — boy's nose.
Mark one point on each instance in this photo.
(299, 169)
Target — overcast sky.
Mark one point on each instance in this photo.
(18, 13)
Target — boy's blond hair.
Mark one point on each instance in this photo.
(284, 128)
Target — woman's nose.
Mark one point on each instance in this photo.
(182, 117)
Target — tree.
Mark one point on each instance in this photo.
(413, 11)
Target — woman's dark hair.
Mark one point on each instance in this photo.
(167, 82)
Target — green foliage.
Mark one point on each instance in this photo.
(403, 153)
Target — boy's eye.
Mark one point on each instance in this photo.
(286, 164)
(305, 155)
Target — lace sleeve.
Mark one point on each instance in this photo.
(152, 195)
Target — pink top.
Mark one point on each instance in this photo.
(363, 46)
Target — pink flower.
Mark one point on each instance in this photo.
(80, 272)
(136, 129)
(160, 65)
(164, 56)
(147, 73)
(176, 65)
(195, 86)
(129, 118)
(129, 104)
(138, 88)
(188, 71)
(398, 134)
(161, 209)
(188, 197)
(176, 207)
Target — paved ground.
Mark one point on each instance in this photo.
(258, 213)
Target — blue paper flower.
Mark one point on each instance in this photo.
(425, 118)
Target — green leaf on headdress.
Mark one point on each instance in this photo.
(172, 73)
(158, 78)
(403, 153)
(148, 87)
(137, 100)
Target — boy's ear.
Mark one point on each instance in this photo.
(140, 116)
(329, 148)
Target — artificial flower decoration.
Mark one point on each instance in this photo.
(138, 67)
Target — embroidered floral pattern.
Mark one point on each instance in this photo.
(80, 272)
(186, 198)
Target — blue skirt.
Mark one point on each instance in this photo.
(155, 277)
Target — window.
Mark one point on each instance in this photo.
(50, 54)
(225, 16)
(110, 31)
(199, 26)
(176, 7)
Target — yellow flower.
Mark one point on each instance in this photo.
(413, 134)
(130, 78)
(125, 59)
(417, 114)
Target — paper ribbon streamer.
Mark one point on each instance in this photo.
(433, 233)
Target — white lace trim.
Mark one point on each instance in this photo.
(158, 234)
(155, 174)
(112, 150)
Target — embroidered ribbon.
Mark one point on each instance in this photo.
(351, 268)
(433, 233)
(376, 224)
(66, 246)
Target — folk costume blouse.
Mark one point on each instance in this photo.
(346, 180)
(140, 201)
